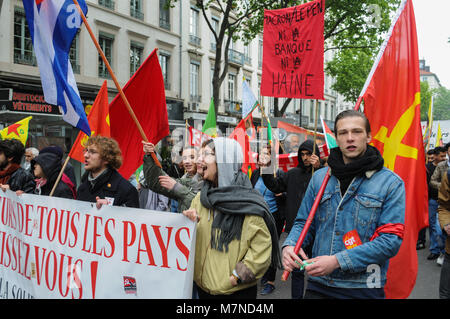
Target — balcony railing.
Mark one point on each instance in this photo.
(107, 4)
(233, 107)
(195, 40)
(138, 14)
(235, 57)
(164, 23)
(27, 59)
(196, 98)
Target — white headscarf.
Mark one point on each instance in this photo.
(229, 159)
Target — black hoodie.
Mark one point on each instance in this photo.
(294, 182)
(51, 166)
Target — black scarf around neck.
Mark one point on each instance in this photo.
(370, 160)
(232, 203)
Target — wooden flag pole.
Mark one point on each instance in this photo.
(124, 98)
(59, 176)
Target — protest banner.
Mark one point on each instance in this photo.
(293, 50)
(54, 248)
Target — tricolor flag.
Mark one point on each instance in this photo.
(17, 131)
(392, 104)
(249, 102)
(53, 25)
(99, 122)
(329, 136)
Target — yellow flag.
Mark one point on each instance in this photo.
(18, 130)
(439, 141)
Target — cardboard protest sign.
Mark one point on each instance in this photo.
(293, 49)
(53, 248)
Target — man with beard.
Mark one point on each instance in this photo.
(359, 223)
(294, 183)
(12, 175)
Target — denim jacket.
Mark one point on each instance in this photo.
(371, 201)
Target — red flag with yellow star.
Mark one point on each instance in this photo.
(392, 104)
(18, 130)
(98, 119)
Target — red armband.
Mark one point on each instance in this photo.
(397, 229)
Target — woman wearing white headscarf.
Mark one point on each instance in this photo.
(236, 236)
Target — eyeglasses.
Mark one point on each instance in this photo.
(90, 151)
(206, 153)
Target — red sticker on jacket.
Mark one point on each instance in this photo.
(351, 239)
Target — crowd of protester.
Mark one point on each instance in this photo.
(241, 219)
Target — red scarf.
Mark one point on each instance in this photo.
(6, 174)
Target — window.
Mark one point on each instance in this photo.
(164, 59)
(193, 27)
(107, 3)
(164, 15)
(247, 53)
(74, 54)
(194, 81)
(23, 46)
(106, 43)
(215, 24)
(136, 52)
(231, 86)
(260, 53)
(136, 9)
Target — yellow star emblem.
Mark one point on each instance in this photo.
(393, 146)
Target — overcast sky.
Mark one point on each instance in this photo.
(433, 32)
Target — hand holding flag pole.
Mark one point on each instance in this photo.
(124, 98)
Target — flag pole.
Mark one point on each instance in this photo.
(315, 132)
(113, 76)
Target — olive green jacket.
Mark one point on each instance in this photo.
(213, 268)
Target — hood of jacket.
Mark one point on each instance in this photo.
(50, 163)
(306, 146)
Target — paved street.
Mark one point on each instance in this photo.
(427, 283)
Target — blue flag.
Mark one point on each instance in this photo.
(53, 25)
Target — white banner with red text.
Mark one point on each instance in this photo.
(59, 248)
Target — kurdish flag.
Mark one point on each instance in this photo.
(329, 136)
(210, 127)
(18, 130)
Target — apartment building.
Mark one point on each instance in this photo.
(128, 31)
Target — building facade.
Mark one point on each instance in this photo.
(128, 31)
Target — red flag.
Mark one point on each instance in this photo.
(392, 104)
(146, 95)
(240, 135)
(293, 51)
(98, 121)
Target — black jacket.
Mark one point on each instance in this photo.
(294, 182)
(111, 184)
(22, 180)
(51, 166)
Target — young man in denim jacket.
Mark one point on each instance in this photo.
(359, 223)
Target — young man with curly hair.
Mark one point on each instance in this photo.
(101, 182)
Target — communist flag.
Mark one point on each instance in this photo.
(392, 104)
(18, 130)
(98, 119)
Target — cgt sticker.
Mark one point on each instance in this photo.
(351, 239)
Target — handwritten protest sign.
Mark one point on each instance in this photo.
(293, 48)
(59, 248)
